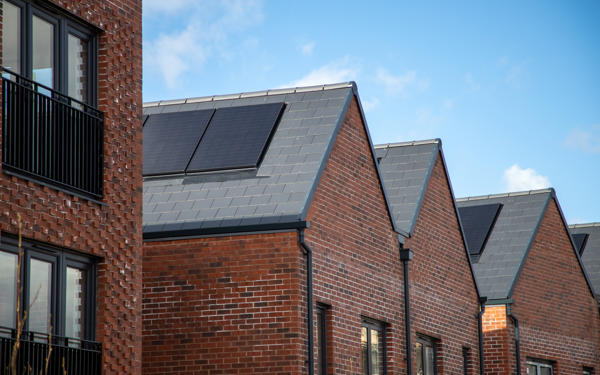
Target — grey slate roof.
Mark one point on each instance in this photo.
(591, 252)
(278, 191)
(510, 239)
(405, 168)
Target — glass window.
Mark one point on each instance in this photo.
(56, 290)
(8, 289)
(11, 37)
(588, 371)
(426, 358)
(77, 66)
(466, 353)
(539, 367)
(372, 344)
(321, 339)
(43, 52)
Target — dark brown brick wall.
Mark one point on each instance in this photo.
(111, 230)
(444, 301)
(224, 305)
(558, 316)
(357, 268)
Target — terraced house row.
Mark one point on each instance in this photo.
(259, 233)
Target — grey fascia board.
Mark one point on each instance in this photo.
(325, 158)
(462, 232)
(530, 244)
(499, 301)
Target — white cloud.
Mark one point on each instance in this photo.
(205, 31)
(370, 104)
(584, 140)
(518, 179)
(334, 72)
(307, 49)
(398, 83)
(471, 83)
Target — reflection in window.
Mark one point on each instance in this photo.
(426, 360)
(40, 284)
(372, 344)
(11, 37)
(77, 65)
(539, 367)
(8, 289)
(43, 52)
(75, 303)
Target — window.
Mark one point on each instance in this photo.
(426, 356)
(539, 367)
(49, 48)
(58, 288)
(373, 347)
(51, 131)
(321, 339)
(465, 353)
(588, 371)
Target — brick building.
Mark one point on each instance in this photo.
(541, 310)
(587, 241)
(71, 167)
(443, 298)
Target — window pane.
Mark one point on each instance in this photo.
(11, 37)
(77, 66)
(419, 347)
(531, 369)
(365, 350)
(75, 301)
(375, 353)
(546, 370)
(40, 283)
(43, 52)
(8, 288)
(428, 360)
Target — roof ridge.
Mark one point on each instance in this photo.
(409, 143)
(291, 90)
(585, 225)
(504, 195)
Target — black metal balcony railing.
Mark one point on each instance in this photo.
(50, 136)
(69, 356)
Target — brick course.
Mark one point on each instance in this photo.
(443, 297)
(111, 230)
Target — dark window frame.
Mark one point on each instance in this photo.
(379, 326)
(466, 353)
(539, 363)
(425, 340)
(60, 259)
(587, 370)
(64, 24)
(322, 311)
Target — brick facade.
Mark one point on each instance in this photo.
(111, 230)
(558, 316)
(443, 296)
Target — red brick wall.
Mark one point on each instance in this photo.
(112, 230)
(224, 305)
(497, 347)
(357, 269)
(444, 301)
(557, 314)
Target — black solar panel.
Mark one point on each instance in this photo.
(236, 137)
(477, 223)
(170, 140)
(580, 240)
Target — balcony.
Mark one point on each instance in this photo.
(68, 356)
(50, 137)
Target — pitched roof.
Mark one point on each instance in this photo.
(510, 239)
(498, 266)
(591, 252)
(275, 194)
(405, 168)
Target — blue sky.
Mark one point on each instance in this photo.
(511, 88)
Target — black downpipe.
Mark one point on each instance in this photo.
(405, 256)
(482, 301)
(309, 297)
(517, 345)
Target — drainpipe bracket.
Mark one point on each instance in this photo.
(406, 254)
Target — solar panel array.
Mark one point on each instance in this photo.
(208, 140)
(580, 240)
(477, 223)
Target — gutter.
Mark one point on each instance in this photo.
(517, 346)
(309, 301)
(482, 301)
(406, 255)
